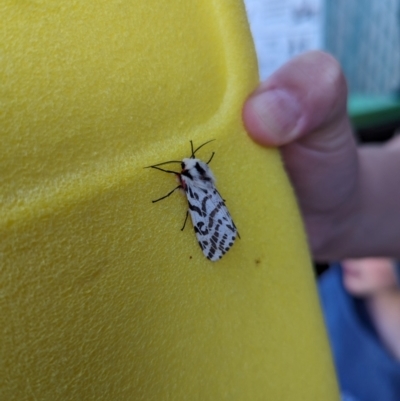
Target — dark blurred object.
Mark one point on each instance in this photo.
(375, 118)
(378, 134)
(320, 268)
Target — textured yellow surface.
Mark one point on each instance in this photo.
(102, 297)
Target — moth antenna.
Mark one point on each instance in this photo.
(212, 155)
(194, 152)
(191, 148)
(165, 171)
(161, 164)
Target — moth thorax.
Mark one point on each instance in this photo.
(198, 169)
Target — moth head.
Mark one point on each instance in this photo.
(189, 163)
(198, 170)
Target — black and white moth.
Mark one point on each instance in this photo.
(215, 230)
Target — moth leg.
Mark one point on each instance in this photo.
(184, 224)
(168, 194)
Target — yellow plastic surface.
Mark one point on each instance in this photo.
(102, 297)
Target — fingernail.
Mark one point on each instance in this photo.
(278, 112)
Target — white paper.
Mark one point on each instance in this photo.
(284, 28)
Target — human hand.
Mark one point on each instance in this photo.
(302, 109)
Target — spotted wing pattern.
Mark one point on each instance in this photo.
(212, 223)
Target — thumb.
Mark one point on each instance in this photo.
(302, 109)
(305, 95)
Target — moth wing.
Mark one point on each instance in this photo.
(213, 225)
